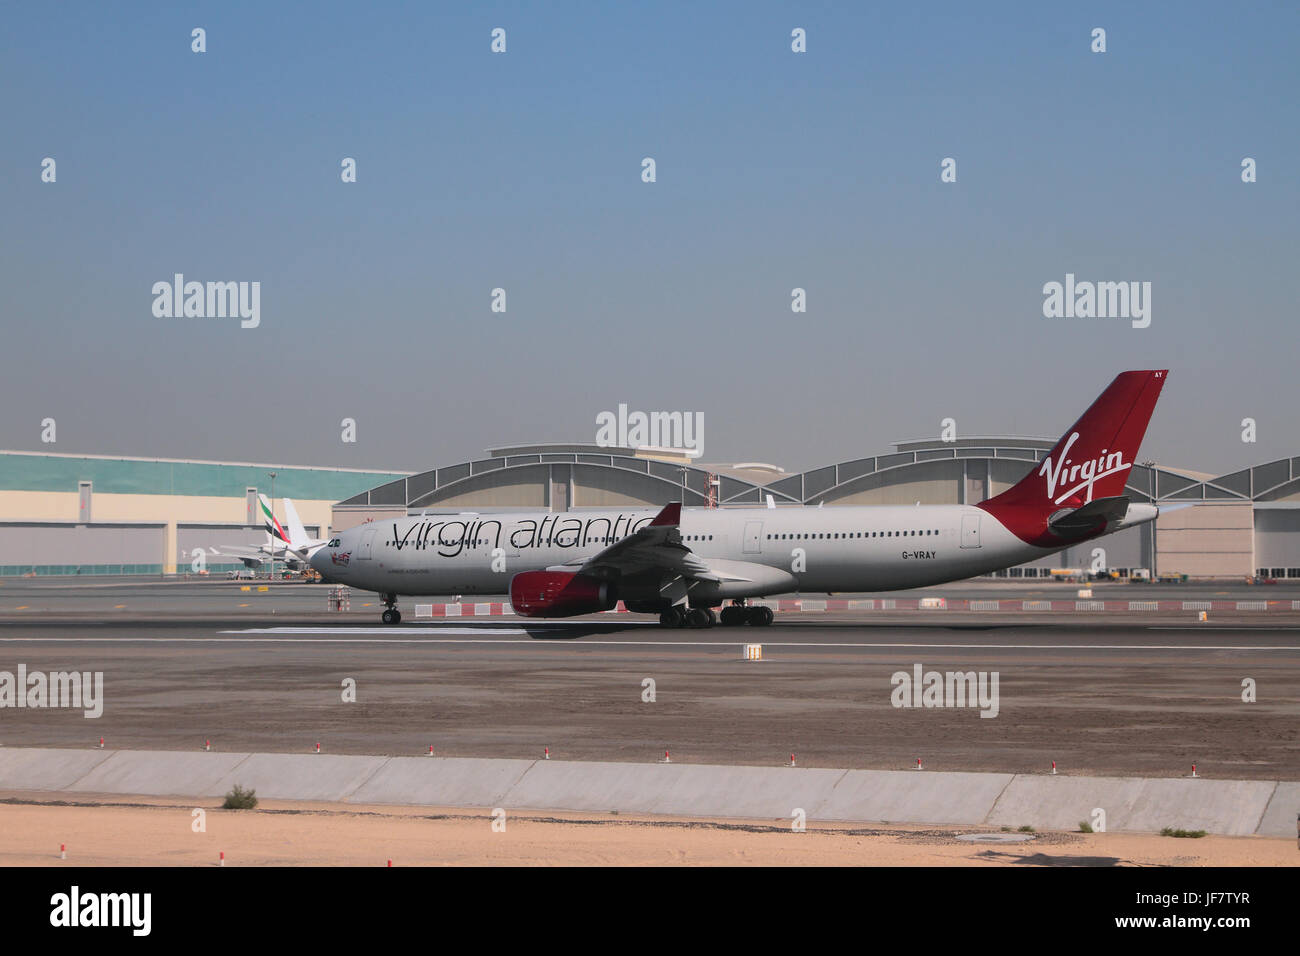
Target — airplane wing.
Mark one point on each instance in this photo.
(656, 547)
(251, 557)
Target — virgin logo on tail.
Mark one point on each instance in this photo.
(1091, 471)
(1105, 440)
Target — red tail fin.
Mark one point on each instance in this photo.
(1092, 459)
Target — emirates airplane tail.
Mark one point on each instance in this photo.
(682, 563)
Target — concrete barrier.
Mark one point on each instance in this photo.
(160, 774)
(1234, 807)
(442, 782)
(910, 796)
(1283, 807)
(299, 776)
(686, 789)
(40, 769)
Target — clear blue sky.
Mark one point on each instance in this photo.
(522, 170)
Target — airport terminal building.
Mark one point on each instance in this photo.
(94, 514)
(71, 514)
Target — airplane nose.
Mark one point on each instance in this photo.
(318, 560)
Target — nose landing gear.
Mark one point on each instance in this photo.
(391, 614)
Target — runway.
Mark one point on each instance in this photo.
(1105, 695)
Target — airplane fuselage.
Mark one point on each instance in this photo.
(780, 550)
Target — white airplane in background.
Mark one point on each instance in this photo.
(293, 547)
(680, 564)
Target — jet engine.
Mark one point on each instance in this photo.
(559, 594)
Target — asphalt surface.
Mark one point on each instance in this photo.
(1118, 693)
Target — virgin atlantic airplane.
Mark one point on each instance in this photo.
(681, 564)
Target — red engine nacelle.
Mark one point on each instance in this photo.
(559, 594)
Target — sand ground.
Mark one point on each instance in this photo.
(137, 831)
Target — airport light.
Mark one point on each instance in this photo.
(1155, 571)
(272, 474)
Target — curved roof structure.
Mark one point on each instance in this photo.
(965, 470)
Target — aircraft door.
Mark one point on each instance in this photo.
(970, 531)
(753, 537)
(367, 541)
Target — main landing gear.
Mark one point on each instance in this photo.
(688, 617)
(759, 615)
(734, 615)
(391, 615)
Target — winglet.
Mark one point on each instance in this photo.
(671, 516)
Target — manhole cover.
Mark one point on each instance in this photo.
(995, 837)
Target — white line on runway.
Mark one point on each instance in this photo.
(263, 638)
(378, 630)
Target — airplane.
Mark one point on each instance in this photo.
(682, 563)
(302, 546)
(293, 547)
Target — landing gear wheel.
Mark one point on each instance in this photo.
(673, 617)
(387, 617)
(713, 618)
(759, 616)
(732, 616)
(391, 615)
(697, 617)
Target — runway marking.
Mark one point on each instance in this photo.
(267, 636)
(384, 629)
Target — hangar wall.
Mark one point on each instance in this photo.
(1209, 539)
(46, 547)
(1277, 538)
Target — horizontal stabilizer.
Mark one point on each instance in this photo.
(1088, 518)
